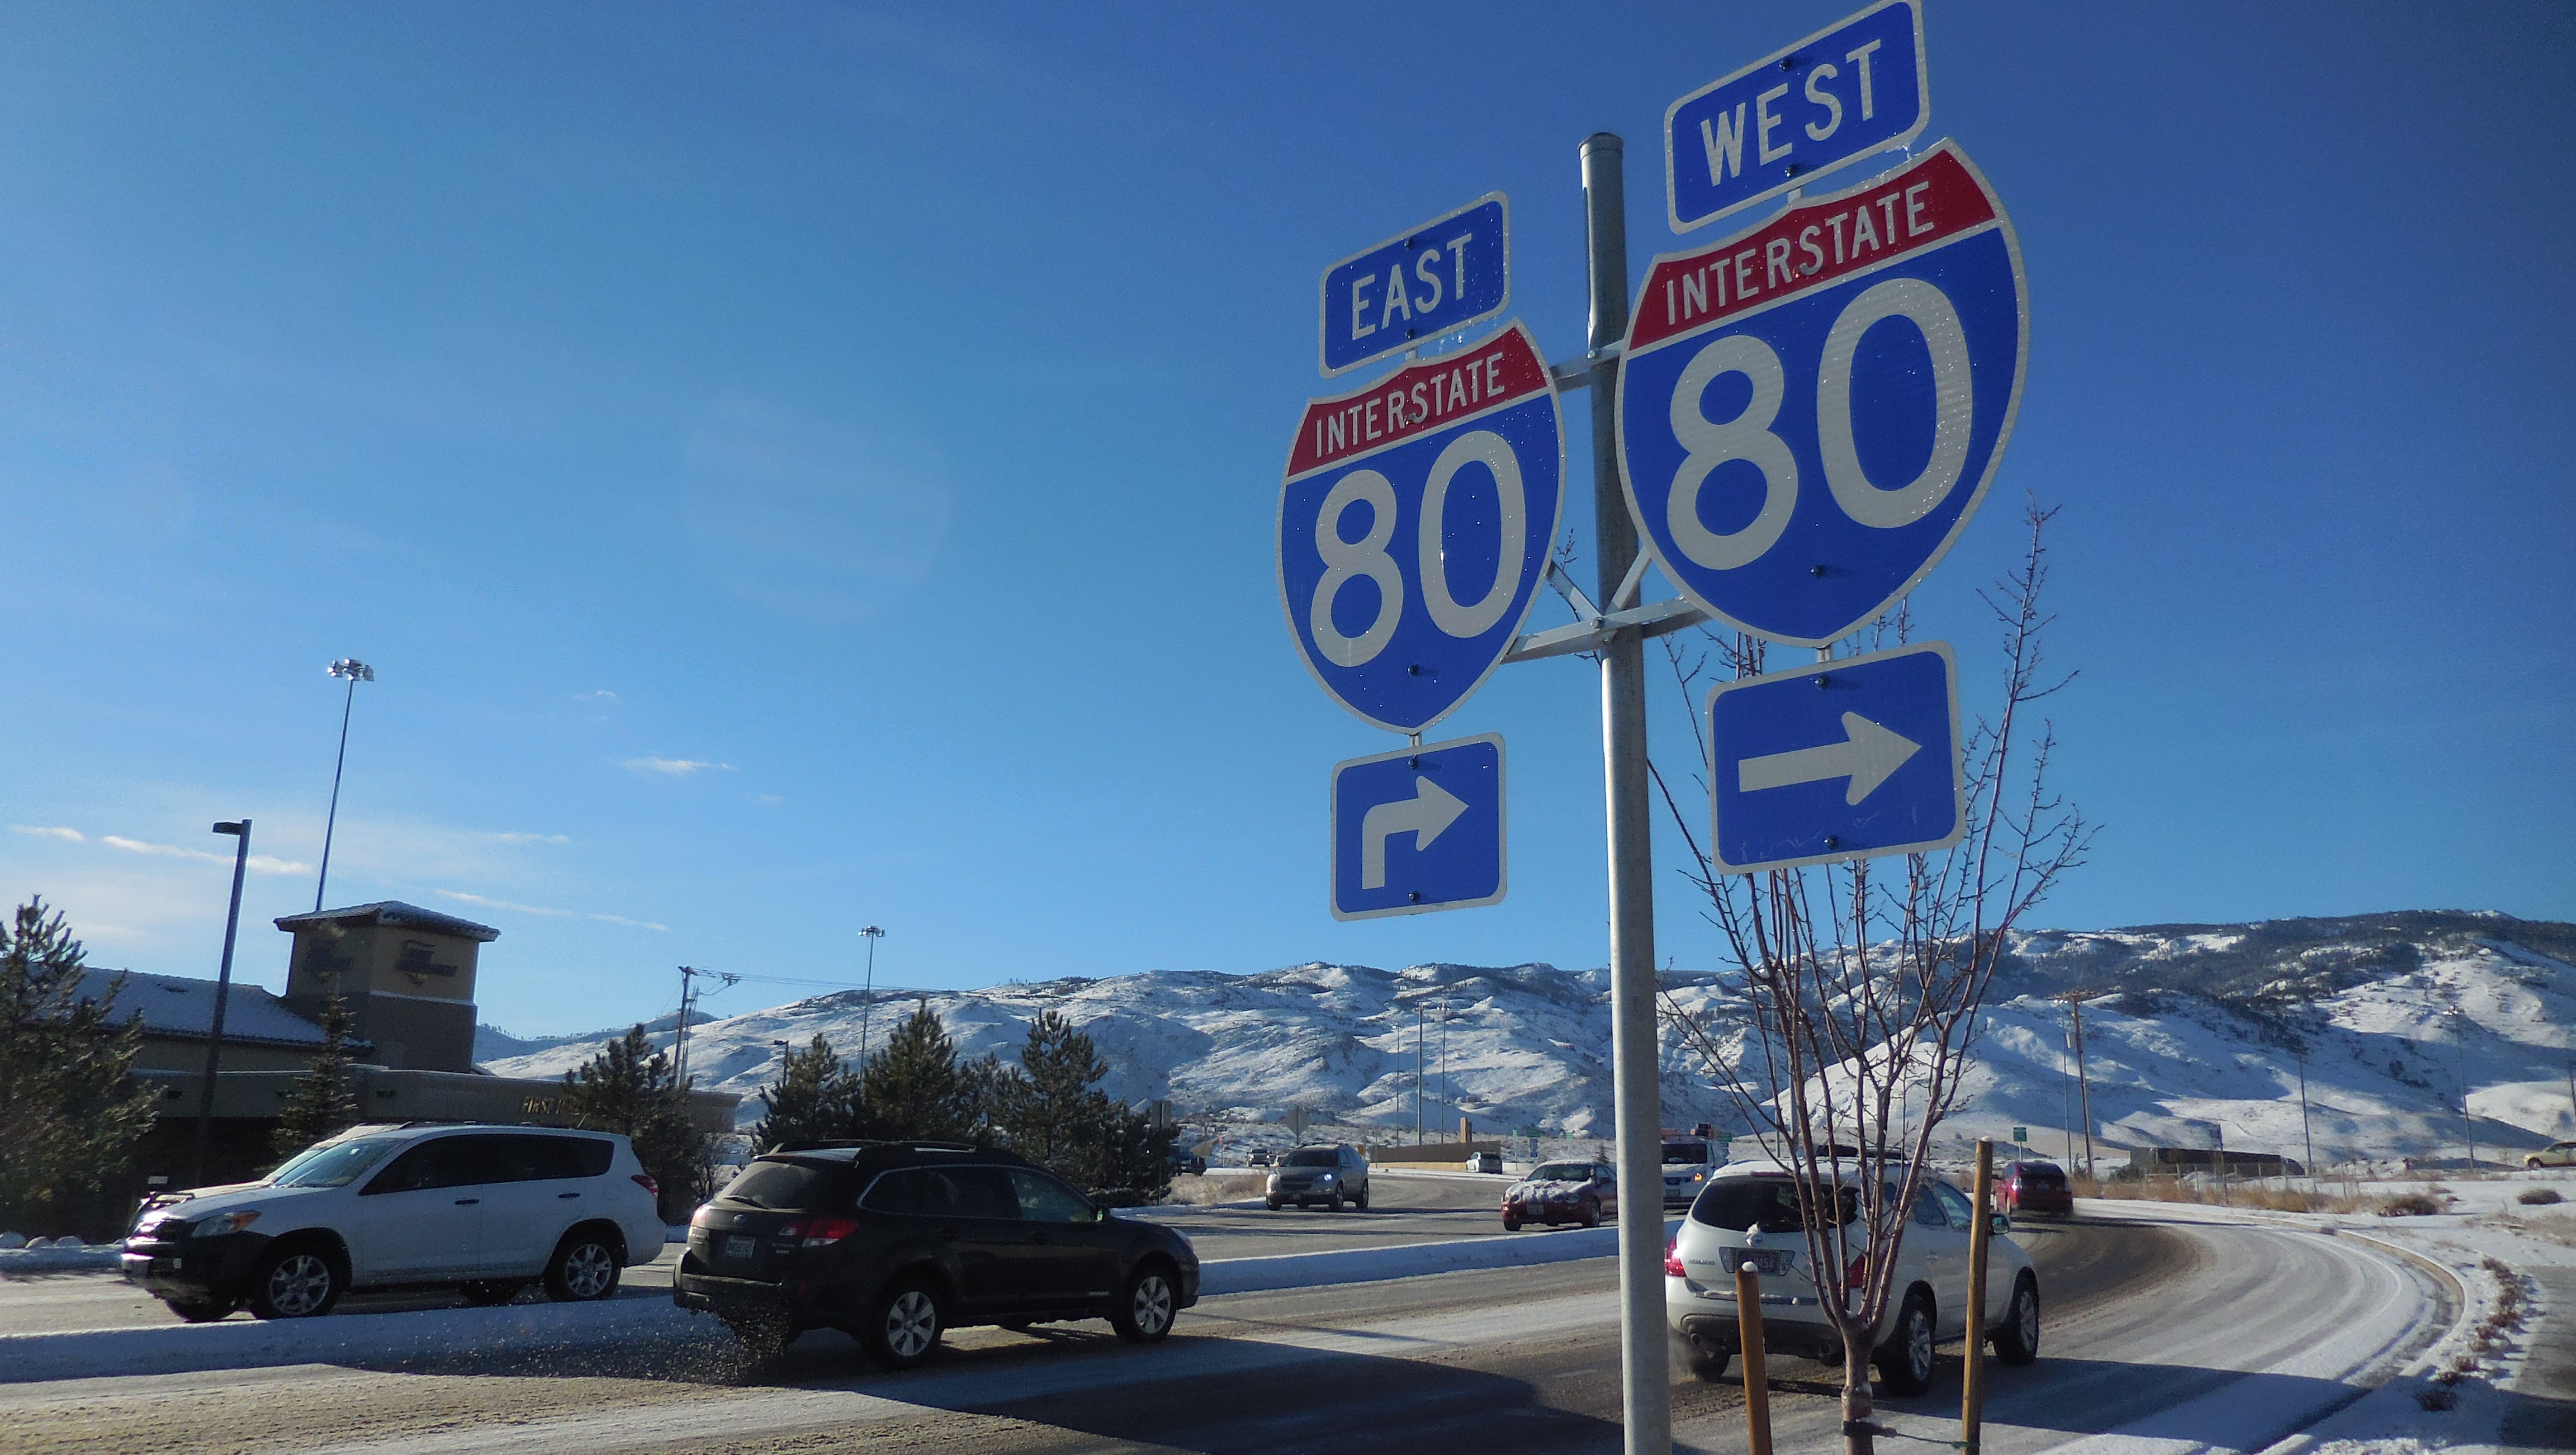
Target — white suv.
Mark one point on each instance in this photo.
(1749, 1213)
(484, 1208)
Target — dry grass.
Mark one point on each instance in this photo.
(2539, 1196)
(1202, 1190)
(2255, 1195)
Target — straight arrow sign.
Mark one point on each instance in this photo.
(1429, 812)
(1868, 756)
(1840, 760)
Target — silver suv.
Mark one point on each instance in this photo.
(486, 1209)
(1331, 1175)
(1748, 1213)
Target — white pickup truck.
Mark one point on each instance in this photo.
(1690, 1159)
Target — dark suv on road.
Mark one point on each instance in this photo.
(895, 1242)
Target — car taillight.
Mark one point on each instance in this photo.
(1857, 1274)
(823, 1232)
(645, 1181)
(1673, 1258)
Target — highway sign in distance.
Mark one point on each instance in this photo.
(1845, 92)
(1414, 525)
(1419, 830)
(1450, 273)
(1840, 760)
(1810, 411)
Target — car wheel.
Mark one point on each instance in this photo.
(204, 1311)
(1592, 1214)
(1360, 1202)
(1144, 1311)
(2017, 1342)
(492, 1292)
(1271, 1203)
(294, 1282)
(902, 1327)
(1511, 1225)
(1905, 1361)
(1334, 1203)
(584, 1268)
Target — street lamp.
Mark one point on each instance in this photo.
(868, 996)
(356, 672)
(223, 990)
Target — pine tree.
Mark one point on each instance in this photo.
(1055, 1114)
(319, 1104)
(815, 1099)
(912, 1087)
(69, 1119)
(630, 1087)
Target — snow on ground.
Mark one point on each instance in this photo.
(2198, 1042)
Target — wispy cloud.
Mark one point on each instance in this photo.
(533, 838)
(602, 695)
(675, 767)
(48, 832)
(259, 863)
(487, 902)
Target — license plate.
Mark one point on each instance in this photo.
(738, 1248)
(1769, 1262)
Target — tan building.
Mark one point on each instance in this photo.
(406, 973)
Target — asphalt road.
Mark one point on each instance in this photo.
(2183, 1325)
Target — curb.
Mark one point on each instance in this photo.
(524, 1328)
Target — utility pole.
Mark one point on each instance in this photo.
(1419, 1012)
(2306, 1141)
(356, 672)
(2084, 1086)
(688, 997)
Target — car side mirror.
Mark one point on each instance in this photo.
(1999, 1223)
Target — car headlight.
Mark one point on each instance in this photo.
(231, 1222)
(1327, 1177)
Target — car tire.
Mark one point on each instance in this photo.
(1271, 1203)
(1511, 1225)
(1334, 1203)
(2017, 1342)
(203, 1311)
(1905, 1360)
(585, 1267)
(1147, 1306)
(491, 1292)
(1360, 1202)
(297, 1281)
(903, 1324)
(1592, 1214)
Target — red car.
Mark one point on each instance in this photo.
(2026, 1189)
(1563, 1192)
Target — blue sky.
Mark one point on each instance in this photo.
(816, 465)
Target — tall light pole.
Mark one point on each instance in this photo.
(868, 996)
(2306, 1139)
(223, 991)
(356, 672)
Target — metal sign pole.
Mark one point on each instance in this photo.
(1645, 1386)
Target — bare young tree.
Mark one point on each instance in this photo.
(1860, 982)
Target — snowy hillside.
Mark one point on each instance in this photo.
(2197, 1044)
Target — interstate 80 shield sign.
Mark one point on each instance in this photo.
(1414, 524)
(1809, 411)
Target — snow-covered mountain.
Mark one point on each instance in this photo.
(2197, 1042)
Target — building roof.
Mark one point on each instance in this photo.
(174, 1005)
(393, 912)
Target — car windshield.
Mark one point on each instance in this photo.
(1313, 1157)
(1770, 1203)
(1563, 1172)
(1691, 1152)
(776, 1185)
(333, 1166)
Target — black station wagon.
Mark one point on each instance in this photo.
(895, 1242)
